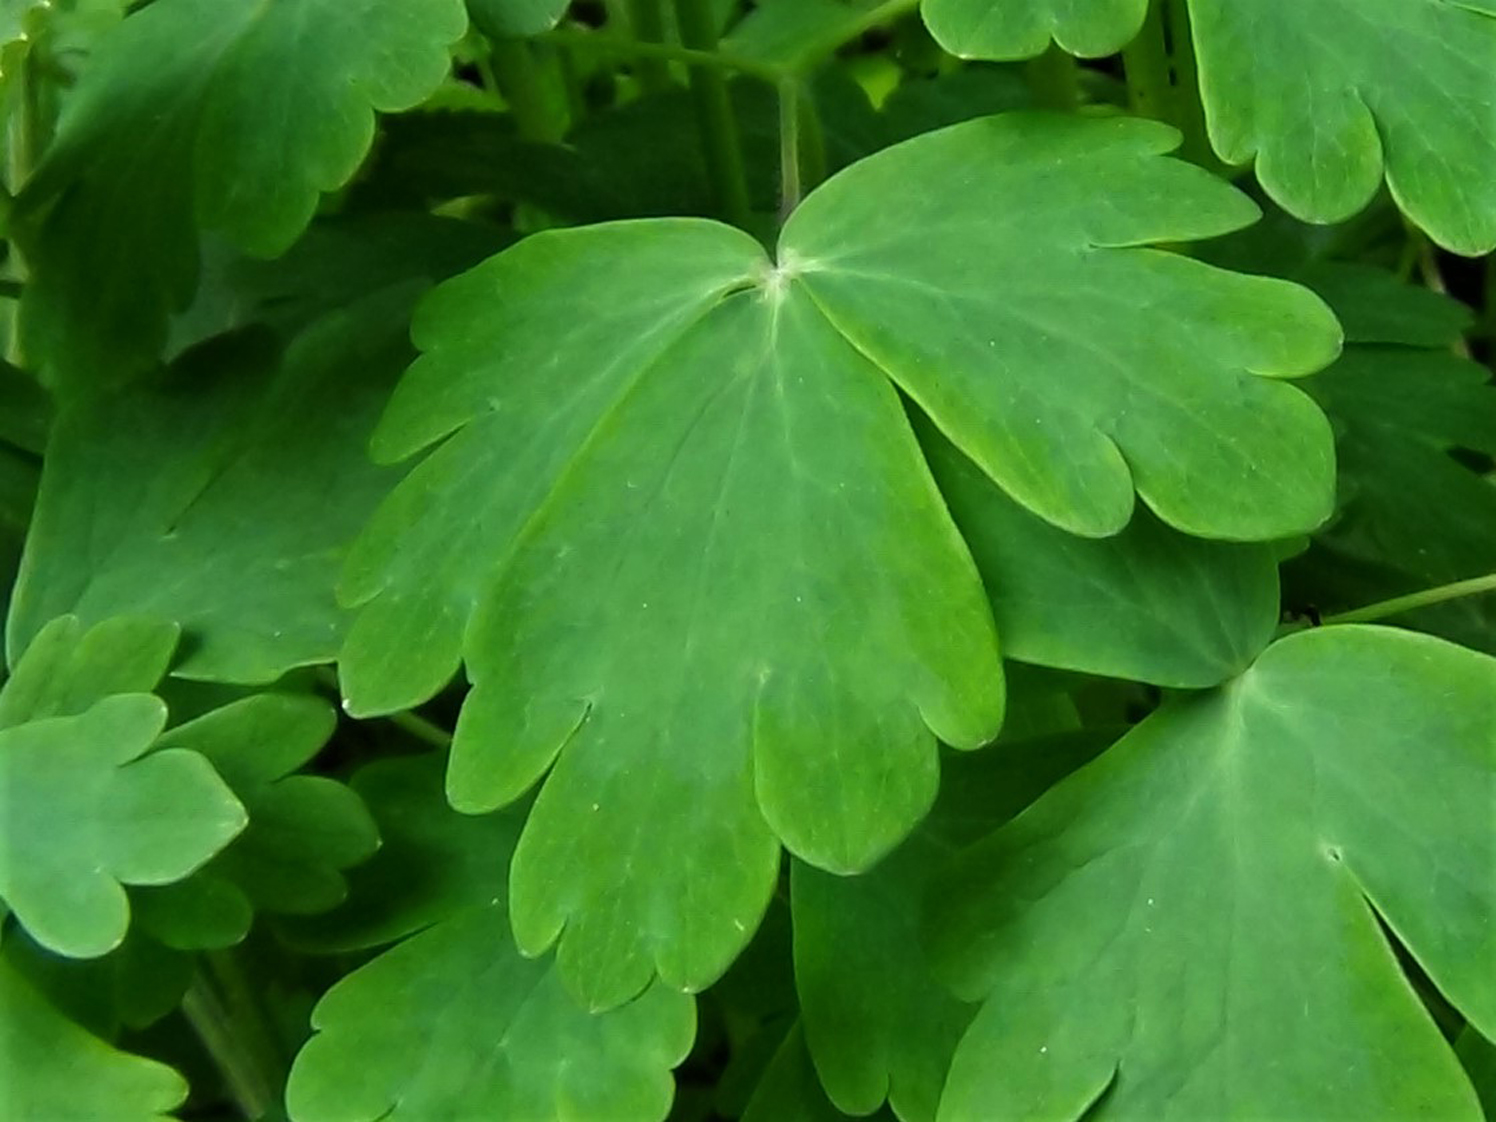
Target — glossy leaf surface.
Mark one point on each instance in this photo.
(1190, 925)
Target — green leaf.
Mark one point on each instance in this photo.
(1150, 604)
(1479, 1057)
(878, 1022)
(1327, 98)
(454, 1021)
(186, 119)
(1193, 923)
(52, 1069)
(789, 1090)
(83, 809)
(660, 579)
(501, 18)
(303, 829)
(223, 497)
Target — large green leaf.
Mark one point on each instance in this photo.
(1327, 97)
(1193, 924)
(454, 1021)
(689, 547)
(229, 115)
(52, 1069)
(222, 497)
(84, 810)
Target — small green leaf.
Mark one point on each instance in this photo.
(999, 29)
(223, 497)
(1150, 604)
(1193, 923)
(52, 1069)
(789, 1090)
(66, 668)
(185, 118)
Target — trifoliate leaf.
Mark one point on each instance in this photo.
(83, 810)
(660, 578)
(454, 1021)
(186, 119)
(878, 1023)
(1193, 923)
(500, 18)
(303, 829)
(1150, 603)
(1328, 98)
(83, 814)
(222, 498)
(52, 1069)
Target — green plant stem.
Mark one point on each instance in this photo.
(1189, 109)
(789, 148)
(222, 1009)
(1476, 586)
(415, 725)
(1150, 87)
(669, 52)
(646, 21)
(719, 129)
(520, 82)
(1054, 79)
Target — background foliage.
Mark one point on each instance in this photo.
(748, 559)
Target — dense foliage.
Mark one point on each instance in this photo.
(765, 559)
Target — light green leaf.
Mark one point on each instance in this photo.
(1192, 921)
(52, 1069)
(223, 497)
(1327, 97)
(1150, 604)
(789, 1090)
(186, 119)
(501, 18)
(303, 829)
(649, 530)
(454, 1021)
(82, 814)
(67, 667)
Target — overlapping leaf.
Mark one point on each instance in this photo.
(650, 530)
(50, 1068)
(83, 809)
(186, 119)
(516, 17)
(454, 1021)
(1327, 97)
(1192, 925)
(223, 498)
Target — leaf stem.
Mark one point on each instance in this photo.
(1150, 87)
(647, 22)
(633, 48)
(1475, 586)
(519, 81)
(407, 721)
(790, 188)
(1054, 79)
(221, 1008)
(719, 128)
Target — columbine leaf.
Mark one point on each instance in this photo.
(83, 810)
(877, 1021)
(649, 532)
(1326, 97)
(303, 829)
(1193, 919)
(516, 17)
(454, 1021)
(50, 1068)
(789, 1091)
(185, 119)
(1150, 604)
(223, 497)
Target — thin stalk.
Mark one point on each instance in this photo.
(1476, 586)
(632, 48)
(571, 83)
(647, 22)
(242, 1053)
(519, 80)
(812, 143)
(790, 188)
(417, 726)
(1189, 112)
(719, 129)
(1054, 79)
(1150, 87)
